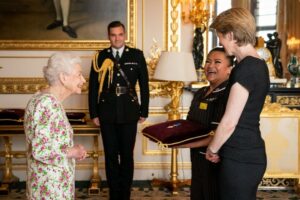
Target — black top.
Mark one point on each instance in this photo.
(208, 110)
(246, 143)
(124, 108)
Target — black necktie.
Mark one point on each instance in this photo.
(117, 56)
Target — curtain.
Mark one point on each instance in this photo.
(241, 4)
(288, 16)
(288, 26)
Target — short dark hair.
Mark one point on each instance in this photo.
(222, 49)
(114, 24)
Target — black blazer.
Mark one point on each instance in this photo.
(124, 108)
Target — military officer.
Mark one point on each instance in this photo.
(115, 107)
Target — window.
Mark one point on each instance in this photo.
(220, 6)
(265, 12)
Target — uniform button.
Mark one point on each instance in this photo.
(118, 84)
(131, 69)
(119, 64)
(118, 74)
(102, 100)
(132, 100)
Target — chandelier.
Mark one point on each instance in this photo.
(198, 12)
(293, 44)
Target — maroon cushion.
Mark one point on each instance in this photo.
(11, 116)
(76, 118)
(16, 117)
(176, 132)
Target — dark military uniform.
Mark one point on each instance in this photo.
(118, 109)
(208, 111)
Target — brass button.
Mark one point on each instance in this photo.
(118, 84)
(118, 74)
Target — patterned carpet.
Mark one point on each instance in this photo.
(155, 193)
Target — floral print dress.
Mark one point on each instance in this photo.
(50, 174)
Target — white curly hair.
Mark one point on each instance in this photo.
(60, 62)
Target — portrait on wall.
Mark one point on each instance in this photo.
(61, 24)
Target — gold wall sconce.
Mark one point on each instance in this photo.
(200, 13)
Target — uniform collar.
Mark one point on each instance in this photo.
(220, 87)
(114, 50)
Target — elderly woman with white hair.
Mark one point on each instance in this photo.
(51, 153)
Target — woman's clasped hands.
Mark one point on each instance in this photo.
(211, 156)
(77, 151)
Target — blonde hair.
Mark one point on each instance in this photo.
(61, 62)
(240, 22)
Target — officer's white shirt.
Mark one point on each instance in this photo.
(114, 51)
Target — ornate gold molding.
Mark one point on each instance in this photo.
(132, 21)
(12, 85)
(278, 183)
(159, 89)
(55, 44)
(24, 85)
(277, 108)
(152, 60)
(137, 165)
(21, 85)
(288, 100)
(174, 25)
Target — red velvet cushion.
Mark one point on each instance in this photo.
(11, 116)
(16, 117)
(76, 118)
(176, 132)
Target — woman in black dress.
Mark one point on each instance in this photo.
(238, 142)
(207, 108)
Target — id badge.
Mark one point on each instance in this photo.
(203, 106)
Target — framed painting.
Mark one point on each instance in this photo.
(63, 24)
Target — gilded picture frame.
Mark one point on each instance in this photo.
(15, 33)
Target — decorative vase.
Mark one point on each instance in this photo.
(294, 69)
